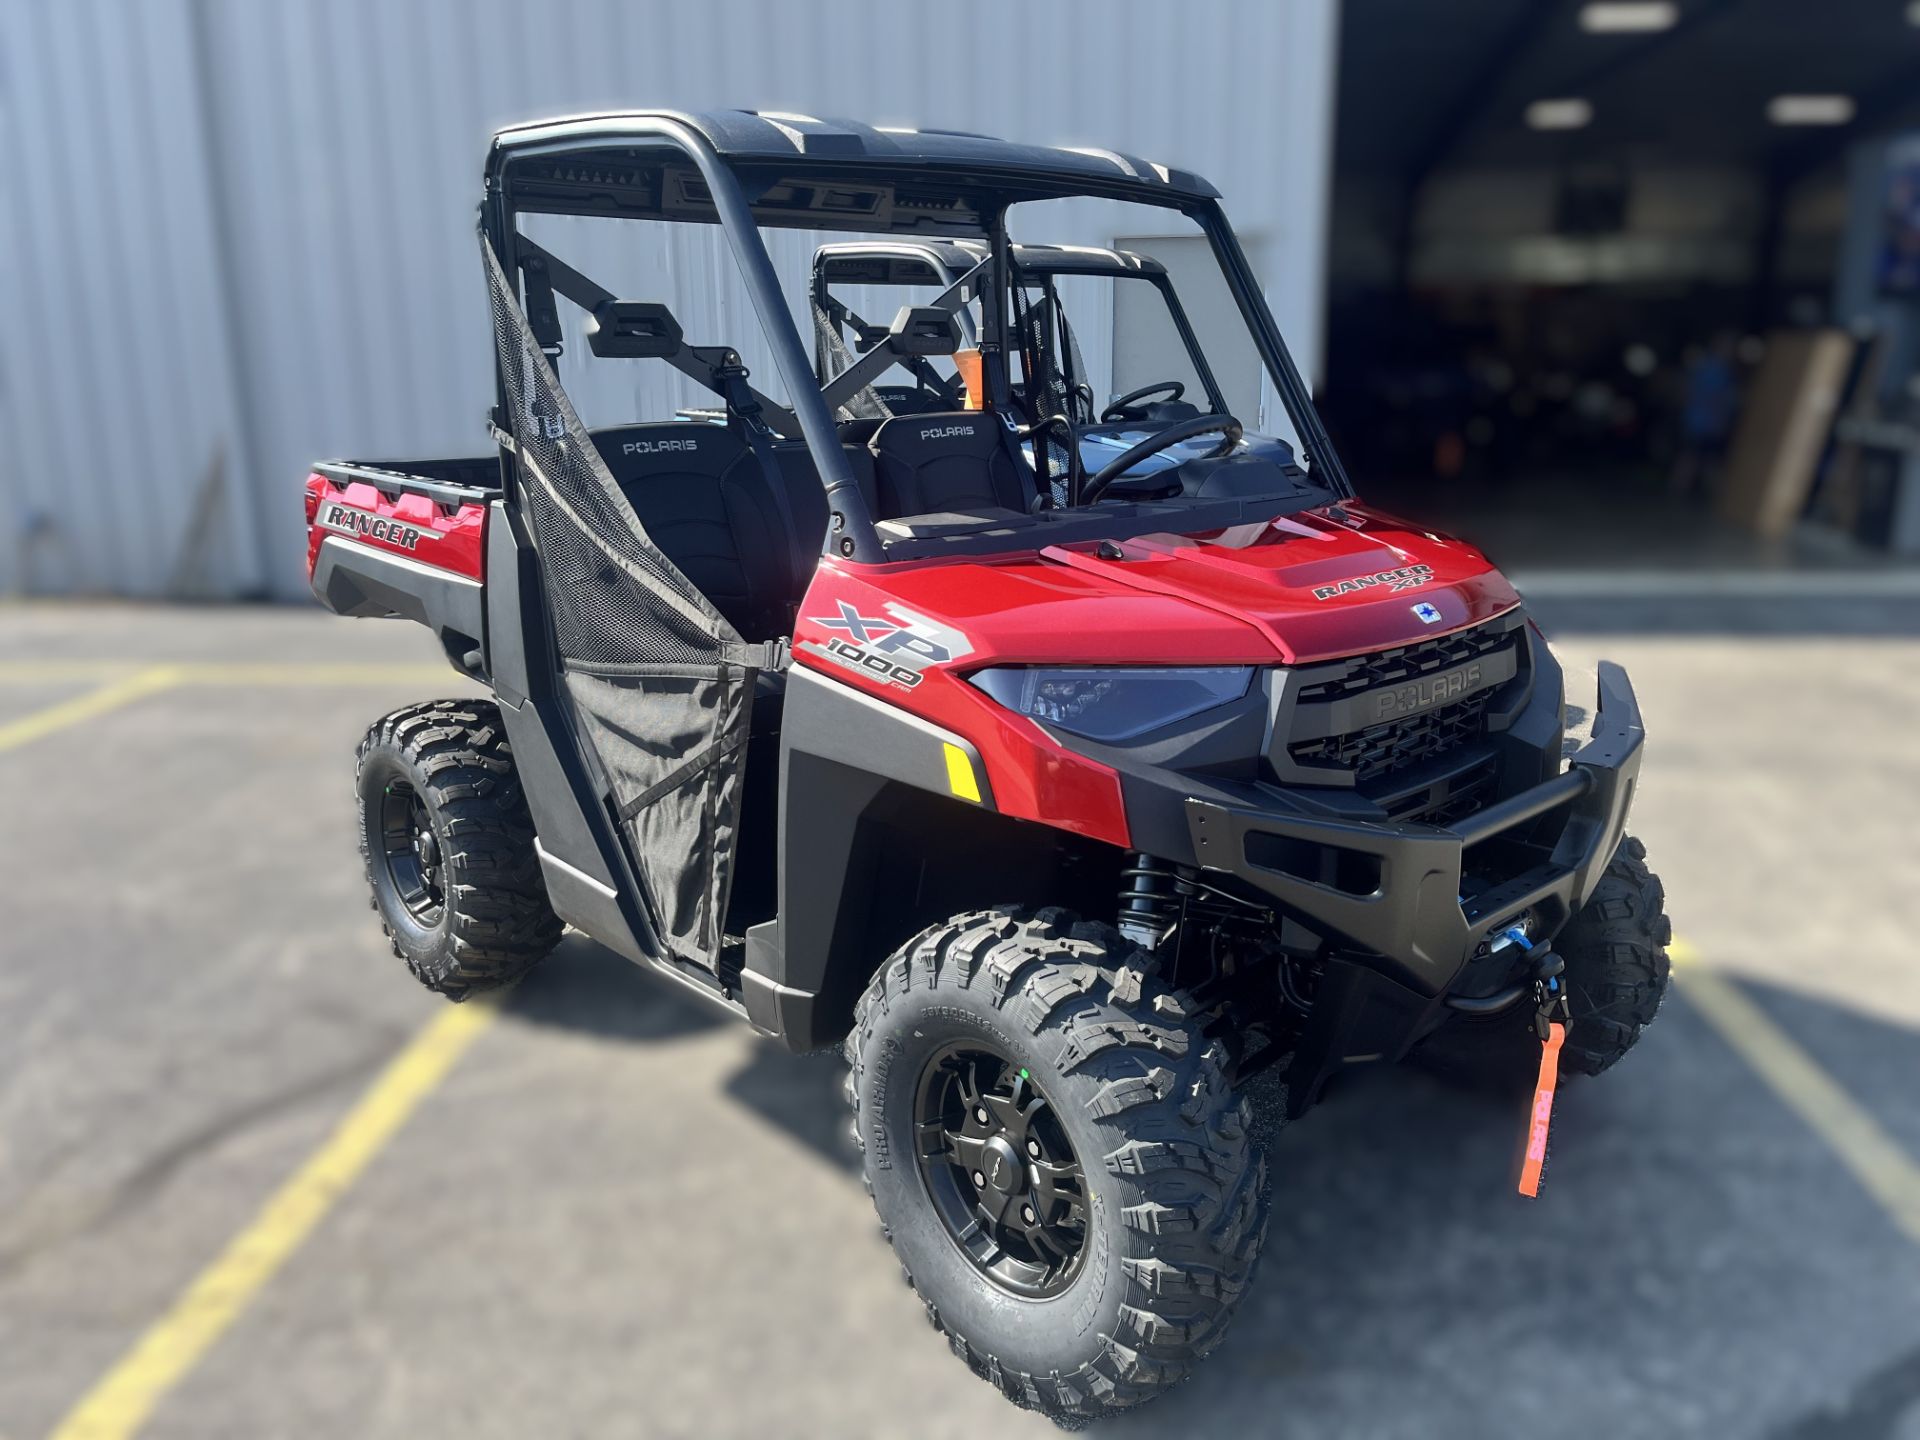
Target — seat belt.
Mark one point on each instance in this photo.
(543, 316)
(1035, 366)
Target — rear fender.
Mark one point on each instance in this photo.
(386, 545)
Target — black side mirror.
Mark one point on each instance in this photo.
(633, 330)
(924, 330)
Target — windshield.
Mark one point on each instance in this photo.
(967, 359)
(1149, 309)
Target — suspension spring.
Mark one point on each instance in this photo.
(1153, 900)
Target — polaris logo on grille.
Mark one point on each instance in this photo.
(945, 432)
(1425, 693)
(1407, 577)
(657, 447)
(349, 521)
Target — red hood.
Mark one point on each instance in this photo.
(1307, 587)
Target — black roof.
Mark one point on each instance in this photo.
(771, 135)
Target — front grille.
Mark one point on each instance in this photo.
(1395, 744)
(1378, 756)
(1409, 662)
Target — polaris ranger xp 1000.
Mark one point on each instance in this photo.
(1066, 808)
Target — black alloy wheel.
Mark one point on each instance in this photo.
(410, 850)
(451, 861)
(999, 1170)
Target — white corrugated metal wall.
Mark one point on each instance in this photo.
(242, 233)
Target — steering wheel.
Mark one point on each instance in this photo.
(1122, 409)
(1096, 484)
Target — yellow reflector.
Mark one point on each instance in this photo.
(960, 774)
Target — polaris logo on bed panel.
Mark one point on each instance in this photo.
(945, 432)
(1405, 578)
(894, 650)
(349, 521)
(656, 447)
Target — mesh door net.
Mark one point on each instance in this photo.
(661, 684)
(863, 404)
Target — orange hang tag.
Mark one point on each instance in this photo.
(1542, 1110)
(973, 377)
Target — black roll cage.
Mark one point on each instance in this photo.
(1161, 281)
(930, 253)
(610, 158)
(1035, 267)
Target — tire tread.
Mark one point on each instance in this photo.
(1181, 1138)
(501, 920)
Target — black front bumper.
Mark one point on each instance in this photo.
(1393, 892)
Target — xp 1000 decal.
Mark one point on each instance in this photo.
(893, 647)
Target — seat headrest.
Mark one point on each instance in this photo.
(679, 448)
(940, 432)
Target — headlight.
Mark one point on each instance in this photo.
(1114, 703)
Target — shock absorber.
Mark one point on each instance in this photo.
(1153, 898)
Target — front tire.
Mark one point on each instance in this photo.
(448, 847)
(1056, 1156)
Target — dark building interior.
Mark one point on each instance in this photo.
(1566, 240)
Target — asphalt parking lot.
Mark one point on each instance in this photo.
(618, 1213)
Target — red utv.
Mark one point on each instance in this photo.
(1067, 809)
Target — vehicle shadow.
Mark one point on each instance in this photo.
(1696, 1265)
(804, 1095)
(585, 986)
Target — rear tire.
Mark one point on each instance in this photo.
(1616, 976)
(448, 847)
(1117, 1081)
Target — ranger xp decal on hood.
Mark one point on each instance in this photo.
(892, 649)
(349, 521)
(1405, 578)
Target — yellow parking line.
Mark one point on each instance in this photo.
(56, 671)
(124, 1398)
(84, 707)
(1855, 1137)
(146, 680)
(369, 674)
(231, 673)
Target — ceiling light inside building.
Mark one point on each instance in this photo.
(1810, 109)
(1559, 114)
(1913, 12)
(1630, 17)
